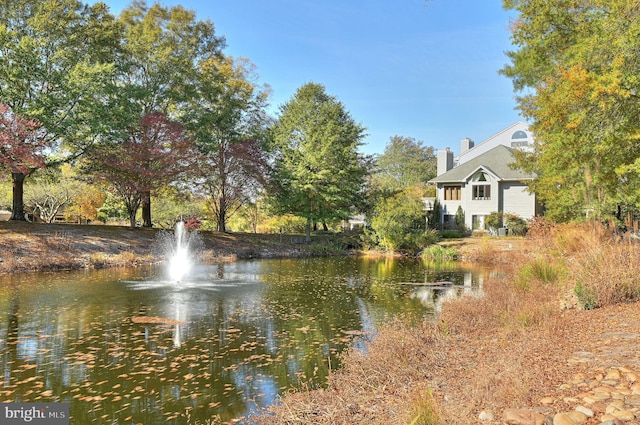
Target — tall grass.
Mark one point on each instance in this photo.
(604, 268)
(482, 353)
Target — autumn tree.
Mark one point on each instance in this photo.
(22, 151)
(153, 155)
(163, 46)
(575, 67)
(228, 122)
(318, 172)
(56, 71)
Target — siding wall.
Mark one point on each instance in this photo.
(517, 199)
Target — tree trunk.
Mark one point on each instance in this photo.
(17, 212)
(307, 231)
(145, 198)
(222, 215)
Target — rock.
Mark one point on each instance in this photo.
(632, 377)
(613, 374)
(547, 400)
(522, 417)
(610, 421)
(586, 411)
(578, 378)
(486, 416)
(624, 415)
(569, 418)
(632, 401)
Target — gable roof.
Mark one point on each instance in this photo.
(503, 137)
(496, 161)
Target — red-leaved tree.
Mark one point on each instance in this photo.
(22, 151)
(156, 153)
(233, 176)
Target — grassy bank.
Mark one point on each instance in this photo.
(506, 349)
(36, 247)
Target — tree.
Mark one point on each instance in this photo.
(576, 67)
(405, 162)
(158, 74)
(228, 122)
(52, 189)
(318, 172)
(399, 221)
(22, 151)
(155, 154)
(56, 70)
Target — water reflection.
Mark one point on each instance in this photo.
(127, 346)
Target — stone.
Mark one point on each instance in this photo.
(486, 415)
(613, 374)
(522, 417)
(598, 407)
(624, 415)
(615, 405)
(579, 377)
(569, 418)
(632, 377)
(586, 411)
(518, 416)
(610, 421)
(547, 400)
(544, 410)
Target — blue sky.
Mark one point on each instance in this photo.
(414, 68)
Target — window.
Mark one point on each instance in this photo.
(518, 136)
(519, 144)
(481, 192)
(452, 193)
(477, 222)
(480, 177)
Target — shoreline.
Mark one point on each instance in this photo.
(32, 247)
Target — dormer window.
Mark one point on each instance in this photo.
(480, 177)
(519, 139)
(480, 188)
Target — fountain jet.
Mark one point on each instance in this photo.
(178, 249)
(180, 262)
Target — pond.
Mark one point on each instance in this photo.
(127, 346)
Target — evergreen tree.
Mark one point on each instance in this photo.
(318, 172)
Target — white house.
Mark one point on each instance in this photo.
(480, 179)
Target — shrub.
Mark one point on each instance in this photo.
(450, 234)
(517, 225)
(539, 270)
(493, 221)
(587, 296)
(438, 252)
(399, 222)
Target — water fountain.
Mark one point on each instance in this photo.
(179, 262)
(178, 249)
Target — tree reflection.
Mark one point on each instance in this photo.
(220, 348)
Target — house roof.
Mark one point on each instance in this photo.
(496, 161)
